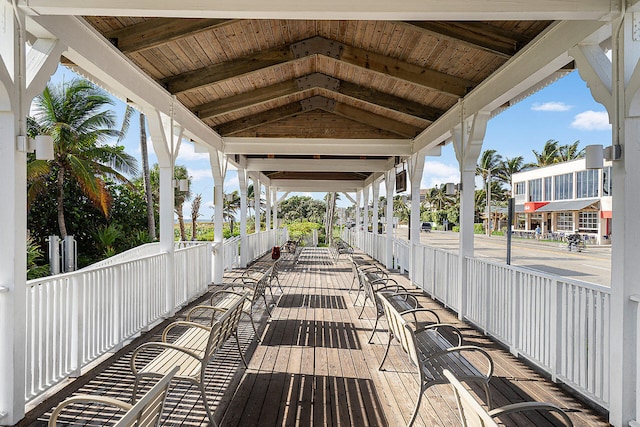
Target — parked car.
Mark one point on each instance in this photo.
(426, 226)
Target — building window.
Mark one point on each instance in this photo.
(606, 182)
(587, 183)
(520, 186)
(548, 195)
(588, 221)
(535, 190)
(563, 186)
(564, 221)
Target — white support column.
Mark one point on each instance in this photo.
(242, 181)
(416, 167)
(219, 170)
(390, 184)
(22, 76)
(376, 205)
(467, 143)
(358, 222)
(257, 189)
(365, 218)
(166, 137)
(616, 85)
(267, 196)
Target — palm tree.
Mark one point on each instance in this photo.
(511, 166)
(489, 164)
(74, 113)
(569, 152)
(146, 173)
(195, 214)
(180, 173)
(549, 154)
(230, 207)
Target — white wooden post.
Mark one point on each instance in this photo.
(467, 142)
(358, 223)
(256, 202)
(22, 76)
(365, 201)
(615, 84)
(244, 250)
(267, 196)
(390, 184)
(166, 137)
(376, 205)
(416, 167)
(219, 170)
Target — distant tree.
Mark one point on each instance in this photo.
(509, 167)
(489, 163)
(179, 197)
(548, 155)
(302, 208)
(195, 214)
(570, 152)
(77, 116)
(230, 206)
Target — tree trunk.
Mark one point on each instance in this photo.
(183, 233)
(151, 219)
(195, 213)
(331, 206)
(60, 185)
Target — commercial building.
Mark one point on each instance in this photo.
(563, 198)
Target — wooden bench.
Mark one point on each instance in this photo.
(432, 353)
(193, 350)
(373, 285)
(147, 412)
(473, 414)
(358, 266)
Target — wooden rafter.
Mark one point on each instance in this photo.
(158, 31)
(435, 80)
(477, 35)
(352, 90)
(361, 116)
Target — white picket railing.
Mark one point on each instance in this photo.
(231, 253)
(134, 253)
(74, 318)
(560, 325)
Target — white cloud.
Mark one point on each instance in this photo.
(551, 106)
(436, 173)
(591, 120)
(199, 174)
(187, 153)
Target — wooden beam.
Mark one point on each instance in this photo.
(435, 80)
(317, 165)
(477, 35)
(441, 82)
(246, 99)
(352, 90)
(259, 119)
(226, 70)
(321, 146)
(409, 10)
(158, 31)
(375, 120)
(389, 101)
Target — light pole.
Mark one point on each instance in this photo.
(489, 202)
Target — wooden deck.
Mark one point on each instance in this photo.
(314, 366)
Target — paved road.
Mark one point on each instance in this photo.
(593, 265)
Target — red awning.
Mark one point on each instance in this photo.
(533, 206)
(606, 214)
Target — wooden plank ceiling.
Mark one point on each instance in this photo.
(317, 79)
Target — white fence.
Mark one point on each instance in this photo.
(560, 325)
(231, 253)
(74, 318)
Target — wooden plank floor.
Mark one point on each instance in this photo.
(314, 366)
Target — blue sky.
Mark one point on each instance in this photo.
(564, 111)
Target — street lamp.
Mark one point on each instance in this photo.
(488, 202)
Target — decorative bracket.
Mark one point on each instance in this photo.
(318, 102)
(317, 46)
(317, 80)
